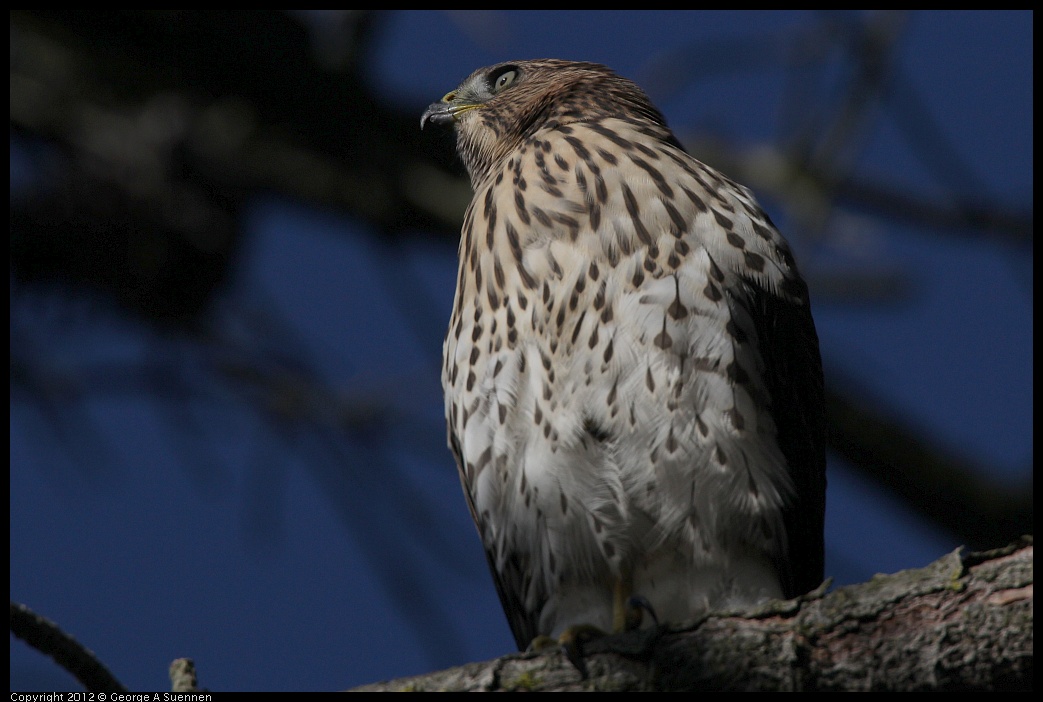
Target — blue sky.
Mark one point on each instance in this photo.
(230, 548)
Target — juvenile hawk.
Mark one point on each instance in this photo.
(632, 377)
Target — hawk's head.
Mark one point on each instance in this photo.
(497, 107)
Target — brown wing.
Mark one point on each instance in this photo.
(510, 581)
(793, 370)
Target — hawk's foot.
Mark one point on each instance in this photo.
(572, 641)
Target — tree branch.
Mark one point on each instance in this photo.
(47, 638)
(964, 622)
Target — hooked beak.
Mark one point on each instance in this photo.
(446, 110)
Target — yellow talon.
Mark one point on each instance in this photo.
(627, 613)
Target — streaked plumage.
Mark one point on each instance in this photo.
(632, 378)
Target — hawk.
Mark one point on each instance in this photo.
(633, 387)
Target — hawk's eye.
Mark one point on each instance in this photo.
(506, 76)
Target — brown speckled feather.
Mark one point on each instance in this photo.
(632, 378)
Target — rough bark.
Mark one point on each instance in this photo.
(962, 623)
